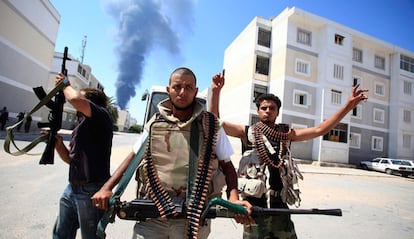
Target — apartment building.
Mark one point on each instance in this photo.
(27, 42)
(311, 64)
(80, 76)
(28, 33)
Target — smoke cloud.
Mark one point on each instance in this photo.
(142, 26)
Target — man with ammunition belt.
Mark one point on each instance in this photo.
(267, 146)
(186, 156)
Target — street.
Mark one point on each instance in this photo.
(374, 205)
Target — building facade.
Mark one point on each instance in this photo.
(28, 33)
(80, 76)
(311, 64)
(27, 42)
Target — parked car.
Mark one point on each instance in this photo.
(389, 166)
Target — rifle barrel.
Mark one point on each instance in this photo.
(257, 211)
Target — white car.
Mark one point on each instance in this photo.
(389, 166)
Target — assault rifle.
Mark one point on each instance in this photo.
(55, 116)
(141, 209)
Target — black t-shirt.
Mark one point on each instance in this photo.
(91, 145)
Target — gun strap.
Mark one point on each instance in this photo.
(109, 215)
(10, 137)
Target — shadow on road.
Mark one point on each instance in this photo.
(32, 135)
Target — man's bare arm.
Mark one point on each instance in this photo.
(75, 97)
(233, 194)
(217, 83)
(101, 198)
(234, 130)
(354, 99)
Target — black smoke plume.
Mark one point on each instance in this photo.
(143, 25)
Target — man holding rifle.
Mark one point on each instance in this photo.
(88, 156)
(186, 147)
(269, 147)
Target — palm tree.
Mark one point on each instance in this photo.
(112, 109)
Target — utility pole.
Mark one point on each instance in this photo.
(83, 49)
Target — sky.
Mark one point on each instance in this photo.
(134, 44)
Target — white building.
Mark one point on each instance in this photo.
(28, 34)
(124, 120)
(80, 76)
(311, 64)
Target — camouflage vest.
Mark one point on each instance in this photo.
(270, 147)
(172, 151)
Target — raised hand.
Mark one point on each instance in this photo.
(357, 96)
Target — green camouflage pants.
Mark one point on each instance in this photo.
(270, 227)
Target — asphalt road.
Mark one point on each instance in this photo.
(374, 205)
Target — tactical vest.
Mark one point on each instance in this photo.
(175, 151)
(271, 147)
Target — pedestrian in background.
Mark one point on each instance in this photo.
(20, 117)
(27, 124)
(4, 117)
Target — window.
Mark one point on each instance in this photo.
(379, 62)
(407, 63)
(336, 97)
(408, 87)
(264, 37)
(407, 116)
(301, 98)
(80, 69)
(377, 143)
(406, 141)
(338, 134)
(262, 65)
(304, 37)
(338, 72)
(258, 90)
(83, 72)
(355, 140)
(357, 112)
(379, 116)
(302, 67)
(379, 89)
(357, 55)
(339, 40)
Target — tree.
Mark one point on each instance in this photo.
(135, 129)
(112, 109)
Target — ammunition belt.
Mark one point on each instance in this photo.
(198, 197)
(277, 135)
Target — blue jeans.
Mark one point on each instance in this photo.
(76, 211)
